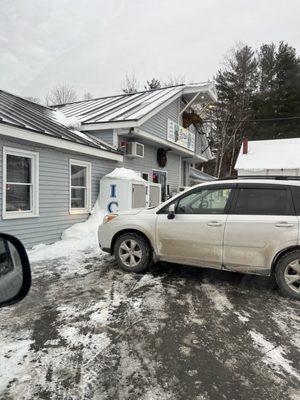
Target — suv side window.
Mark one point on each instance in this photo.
(264, 201)
(296, 198)
(206, 201)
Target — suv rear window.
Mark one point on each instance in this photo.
(264, 201)
(296, 198)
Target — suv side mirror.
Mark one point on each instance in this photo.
(171, 211)
(15, 274)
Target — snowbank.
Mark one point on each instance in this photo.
(124, 173)
(81, 237)
(76, 239)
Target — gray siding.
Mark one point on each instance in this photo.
(53, 194)
(157, 125)
(107, 135)
(149, 163)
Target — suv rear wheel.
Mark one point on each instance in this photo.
(132, 252)
(288, 274)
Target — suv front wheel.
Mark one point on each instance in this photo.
(132, 252)
(288, 274)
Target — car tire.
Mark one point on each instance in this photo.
(287, 274)
(132, 252)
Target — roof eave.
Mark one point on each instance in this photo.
(64, 144)
(208, 88)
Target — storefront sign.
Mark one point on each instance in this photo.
(180, 136)
(113, 205)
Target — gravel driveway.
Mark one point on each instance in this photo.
(90, 331)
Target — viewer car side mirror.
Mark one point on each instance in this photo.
(15, 274)
(171, 211)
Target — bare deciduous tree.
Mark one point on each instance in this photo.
(60, 95)
(174, 80)
(33, 99)
(87, 96)
(130, 84)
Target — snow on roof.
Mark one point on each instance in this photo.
(125, 173)
(270, 154)
(196, 174)
(128, 107)
(22, 113)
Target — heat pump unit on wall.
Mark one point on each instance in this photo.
(134, 149)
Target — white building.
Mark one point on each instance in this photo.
(269, 157)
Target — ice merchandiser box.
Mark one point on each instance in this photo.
(122, 191)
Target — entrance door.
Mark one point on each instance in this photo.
(161, 177)
(195, 235)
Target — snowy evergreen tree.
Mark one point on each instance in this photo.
(153, 84)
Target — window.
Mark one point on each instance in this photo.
(207, 201)
(20, 183)
(145, 176)
(296, 198)
(264, 201)
(80, 186)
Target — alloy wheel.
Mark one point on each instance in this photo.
(130, 253)
(292, 275)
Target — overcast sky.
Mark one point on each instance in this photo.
(91, 44)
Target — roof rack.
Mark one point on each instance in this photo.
(274, 177)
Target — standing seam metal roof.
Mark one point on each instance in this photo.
(25, 114)
(127, 107)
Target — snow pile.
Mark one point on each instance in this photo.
(124, 173)
(69, 122)
(76, 239)
(74, 125)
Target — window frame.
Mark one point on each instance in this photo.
(263, 186)
(34, 201)
(88, 187)
(227, 209)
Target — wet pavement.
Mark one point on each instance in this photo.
(91, 331)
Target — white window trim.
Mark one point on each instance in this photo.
(88, 166)
(34, 212)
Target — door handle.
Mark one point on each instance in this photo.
(284, 224)
(214, 223)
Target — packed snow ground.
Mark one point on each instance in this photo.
(88, 330)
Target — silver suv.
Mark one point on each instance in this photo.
(243, 225)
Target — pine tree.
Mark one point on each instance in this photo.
(236, 85)
(279, 94)
(153, 84)
(257, 92)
